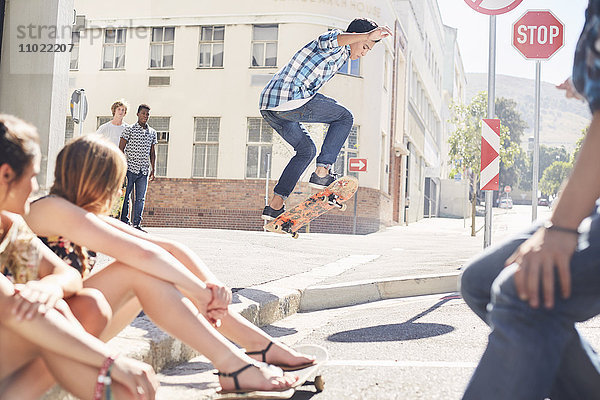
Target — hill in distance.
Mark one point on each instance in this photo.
(561, 119)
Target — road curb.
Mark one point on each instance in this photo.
(322, 297)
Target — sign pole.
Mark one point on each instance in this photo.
(536, 141)
(489, 194)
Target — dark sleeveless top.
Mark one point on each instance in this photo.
(78, 257)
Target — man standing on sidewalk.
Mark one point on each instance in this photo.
(115, 127)
(137, 142)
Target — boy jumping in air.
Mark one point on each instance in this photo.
(291, 98)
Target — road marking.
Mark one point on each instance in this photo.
(402, 364)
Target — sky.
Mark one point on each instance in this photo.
(473, 37)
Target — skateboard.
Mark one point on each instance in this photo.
(303, 375)
(333, 196)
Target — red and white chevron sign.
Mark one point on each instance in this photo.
(490, 159)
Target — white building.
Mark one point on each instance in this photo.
(423, 122)
(200, 66)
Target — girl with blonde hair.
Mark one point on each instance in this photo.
(172, 285)
(38, 331)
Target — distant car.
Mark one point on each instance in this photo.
(505, 203)
(543, 202)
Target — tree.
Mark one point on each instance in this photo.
(465, 144)
(578, 145)
(506, 110)
(554, 176)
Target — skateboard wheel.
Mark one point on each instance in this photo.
(319, 383)
(295, 235)
(276, 228)
(343, 207)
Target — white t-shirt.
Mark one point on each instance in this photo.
(112, 132)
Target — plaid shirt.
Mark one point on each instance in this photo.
(137, 149)
(307, 71)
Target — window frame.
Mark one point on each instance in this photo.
(74, 51)
(162, 45)
(348, 150)
(207, 142)
(265, 43)
(212, 44)
(163, 143)
(261, 145)
(114, 46)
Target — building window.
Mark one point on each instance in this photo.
(206, 147)
(350, 150)
(102, 119)
(264, 45)
(162, 47)
(75, 51)
(69, 129)
(211, 46)
(161, 125)
(114, 49)
(260, 148)
(351, 67)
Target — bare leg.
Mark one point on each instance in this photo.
(321, 171)
(119, 283)
(22, 358)
(241, 331)
(276, 202)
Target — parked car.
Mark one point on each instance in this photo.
(543, 202)
(505, 202)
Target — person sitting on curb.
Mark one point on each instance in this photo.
(72, 219)
(291, 98)
(534, 288)
(38, 331)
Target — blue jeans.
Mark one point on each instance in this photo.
(535, 353)
(288, 124)
(140, 181)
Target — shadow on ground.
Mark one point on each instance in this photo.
(409, 330)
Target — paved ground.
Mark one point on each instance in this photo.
(413, 348)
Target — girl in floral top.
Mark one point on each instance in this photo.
(38, 330)
(172, 285)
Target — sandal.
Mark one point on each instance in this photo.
(284, 367)
(238, 389)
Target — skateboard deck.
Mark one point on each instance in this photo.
(303, 375)
(333, 196)
(321, 355)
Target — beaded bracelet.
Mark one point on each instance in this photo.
(107, 384)
(103, 377)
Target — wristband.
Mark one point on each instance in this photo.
(103, 378)
(548, 225)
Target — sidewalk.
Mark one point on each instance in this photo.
(274, 276)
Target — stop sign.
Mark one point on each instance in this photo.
(538, 34)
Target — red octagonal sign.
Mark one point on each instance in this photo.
(538, 34)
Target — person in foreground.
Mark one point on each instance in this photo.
(291, 97)
(172, 285)
(532, 289)
(38, 331)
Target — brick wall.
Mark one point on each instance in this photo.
(237, 204)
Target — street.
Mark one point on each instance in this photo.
(422, 347)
